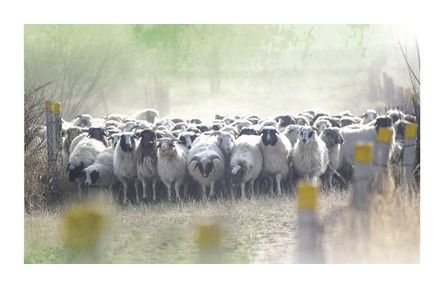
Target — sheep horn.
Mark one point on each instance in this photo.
(195, 158)
(213, 157)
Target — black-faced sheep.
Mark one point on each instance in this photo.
(275, 148)
(333, 138)
(146, 161)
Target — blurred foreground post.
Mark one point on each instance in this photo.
(309, 245)
(208, 238)
(381, 153)
(54, 144)
(361, 176)
(409, 152)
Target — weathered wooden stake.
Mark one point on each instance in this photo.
(310, 249)
(54, 144)
(409, 152)
(361, 177)
(381, 153)
(208, 239)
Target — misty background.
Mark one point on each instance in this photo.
(197, 71)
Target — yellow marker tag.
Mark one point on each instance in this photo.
(82, 228)
(307, 195)
(208, 236)
(56, 108)
(385, 135)
(410, 130)
(49, 105)
(363, 153)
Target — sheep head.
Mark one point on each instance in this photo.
(307, 134)
(75, 172)
(269, 135)
(205, 164)
(127, 141)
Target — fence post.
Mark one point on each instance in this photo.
(360, 185)
(54, 146)
(381, 153)
(409, 152)
(309, 245)
(208, 238)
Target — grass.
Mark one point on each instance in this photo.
(260, 230)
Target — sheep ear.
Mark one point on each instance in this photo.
(318, 131)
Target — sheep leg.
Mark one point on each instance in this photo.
(177, 186)
(330, 181)
(212, 190)
(250, 188)
(204, 193)
(278, 178)
(125, 193)
(136, 188)
(243, 191)
(154, 190)
(270, 182)
(144, 189)
(169, 192)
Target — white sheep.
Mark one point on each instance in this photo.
(275, 148)
(309, 155)
(100, 173)
(146, 114)
(332, 138)
(246, 162)
(320, 124)
(291, 132)
(366, 133)
(368, 116)
(124, 163)
(146, 161)
(82, 156)
(206, 163)
(172, 164)
(71, 133)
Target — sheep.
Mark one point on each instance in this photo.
(100, 173)
(82, 156)
(246, 162)
(99, 134)
(332, 138)
(248, 131)
(284, 120)
(322, 124)
(147, 114)
(353, 135)
(209, 159)
(268, 123)
(276, 149)
(172, 164)
(83, 120)
(117, 117)
(124, 162)
(395, 115)
(291, 132)
(368, 116)
(347, 120)
(71, 133)
(186, 138)
(146, 161)
(309, 155)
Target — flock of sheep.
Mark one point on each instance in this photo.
(231, 156)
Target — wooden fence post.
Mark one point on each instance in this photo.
(409, 152)
(54, 146)
(309, 230)
(208, 239)
(381, 153)
(362, 172)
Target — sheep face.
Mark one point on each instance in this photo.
(92, 177)
(307, 134)
(332, 136)
(99, 134)
(383, 122)
(75, 172)
(322, 125)
(370, 114)
(187, 139)
(166, 146)
(237, 175)
(205, 165)
(148, 137)
(126, 141)
(225, 142)
(269, 136)
(286, 121)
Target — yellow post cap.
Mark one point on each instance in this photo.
(307, 195)
(363, 152)
(56, 108)
(385, 134)
(49, 105)
(410, 130)
(208, 236)
(82, 228)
